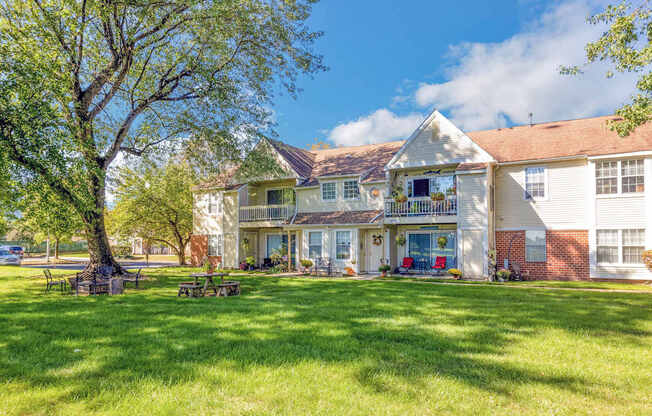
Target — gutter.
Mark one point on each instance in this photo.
(549, 159)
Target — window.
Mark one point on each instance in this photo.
(535, 246)
(351, 190)
(213, 203)
(632, 172)
(425, 187)
(632, 177)
(633, 246)
(607, 246)
(329, 191)
(275, 245)
(343, 245)
(280, 196)
(314, 244)
(215, 245)
(535, 183)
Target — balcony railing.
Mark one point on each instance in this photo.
(420, 207)
(266, 213)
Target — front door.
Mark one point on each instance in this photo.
(374, 252)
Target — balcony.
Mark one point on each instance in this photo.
(256, 213)
(420, 207)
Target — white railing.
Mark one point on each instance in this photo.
(266, 213)
(420, 207)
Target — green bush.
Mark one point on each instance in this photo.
(307, 263)
(121, 251)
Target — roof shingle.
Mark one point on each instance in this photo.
(338, 217)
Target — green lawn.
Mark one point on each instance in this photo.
(300, 346)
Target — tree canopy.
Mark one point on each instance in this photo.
(154, 203)
(627, 46)
(82, 82)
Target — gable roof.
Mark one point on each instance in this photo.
(365, 161)
(300, 160)
(588, 136)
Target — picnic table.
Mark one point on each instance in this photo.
(196, 289)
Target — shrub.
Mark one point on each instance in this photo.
(455, 272)
(279, 268)
(121, 251)
(306, 263)
(503, 274)
(647, 259)
(384, 268)
(251, 261)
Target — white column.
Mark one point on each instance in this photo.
(648, 203)
(591, 216)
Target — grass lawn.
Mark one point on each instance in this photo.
(301, 346)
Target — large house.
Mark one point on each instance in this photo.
(566, 200)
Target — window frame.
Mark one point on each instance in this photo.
(357, 185)
(619, 179)
(214, 197)
(526, 195)
(218, 245)
(284, 192)
(321, 188)
(544, 245)
(619, 247)
(350, 244)
(321, 244)
(622, 176)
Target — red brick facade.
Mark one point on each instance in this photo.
(199, 250)
(567, 254)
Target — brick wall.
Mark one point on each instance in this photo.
(198, 248)
(567, 254)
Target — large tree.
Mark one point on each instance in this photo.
(155, 203)
(83, 81)
(626, 45)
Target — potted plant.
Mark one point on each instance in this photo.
(383, 269)
(442, 241)
(456, 273)
(251, 262)
(306, 264)
(400, 240)
(400, 198)
(503, 274)
(437, 196)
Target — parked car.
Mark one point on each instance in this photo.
(17, 251)
(6, 258)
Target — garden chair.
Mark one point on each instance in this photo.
(440, 264)
(408, 262)
(51, 282)
(134, 279)
(323, 265)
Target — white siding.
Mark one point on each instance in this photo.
(621, 212)
(309, 200)
(472, 201)
(203, 222)
(563, 208)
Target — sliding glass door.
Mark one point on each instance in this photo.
(425, 247)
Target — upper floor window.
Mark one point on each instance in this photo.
(329, 191)
(535, 246)
(284, 196)
(535, 183)
(630, 174)
(351, 190)
(213, 203)
(426, 186)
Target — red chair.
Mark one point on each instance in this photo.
(440, 264)
(407, 265)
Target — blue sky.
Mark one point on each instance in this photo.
(485, 64)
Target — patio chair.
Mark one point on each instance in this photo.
(408, 262)
(51, 282)
(134, 279)
(323, 265)
(440, 264)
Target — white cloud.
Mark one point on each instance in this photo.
(491, 82)
(379, 126)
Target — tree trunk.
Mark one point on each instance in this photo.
(181, 252)
(99, 250)
(56, 248)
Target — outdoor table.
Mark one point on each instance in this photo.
(209, 283)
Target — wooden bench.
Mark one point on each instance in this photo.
(190, 289)
(228, 289)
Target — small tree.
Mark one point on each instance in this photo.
(155, 204)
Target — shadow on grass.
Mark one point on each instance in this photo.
(393, 330)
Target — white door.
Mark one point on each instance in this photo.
(472, 253)
(373, 252)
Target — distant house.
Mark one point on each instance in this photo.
(565, 200)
